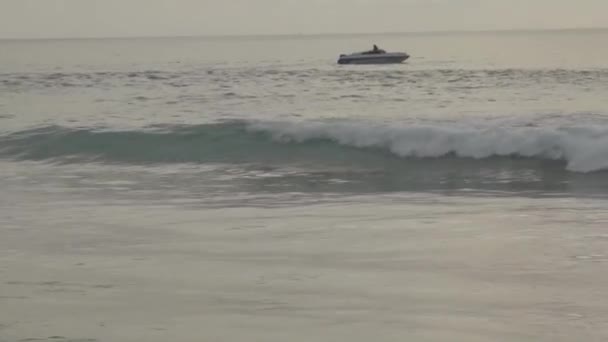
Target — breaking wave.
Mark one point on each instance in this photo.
(578, 149)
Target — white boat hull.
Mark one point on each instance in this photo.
(381, 58)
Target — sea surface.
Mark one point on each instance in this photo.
(251, 189)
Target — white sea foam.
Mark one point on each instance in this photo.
(585, 149)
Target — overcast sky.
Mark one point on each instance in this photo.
(115, 18)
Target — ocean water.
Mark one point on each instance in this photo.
(251, 189)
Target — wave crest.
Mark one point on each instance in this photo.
(583, 149)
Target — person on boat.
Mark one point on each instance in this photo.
(376, 50)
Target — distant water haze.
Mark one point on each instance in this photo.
(121, 18)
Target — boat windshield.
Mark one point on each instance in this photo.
(374, 52)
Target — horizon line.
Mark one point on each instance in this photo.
(311, 35)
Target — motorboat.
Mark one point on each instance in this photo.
(375, 56)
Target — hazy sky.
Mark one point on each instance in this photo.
(109, 18)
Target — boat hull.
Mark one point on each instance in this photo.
(387, 58)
